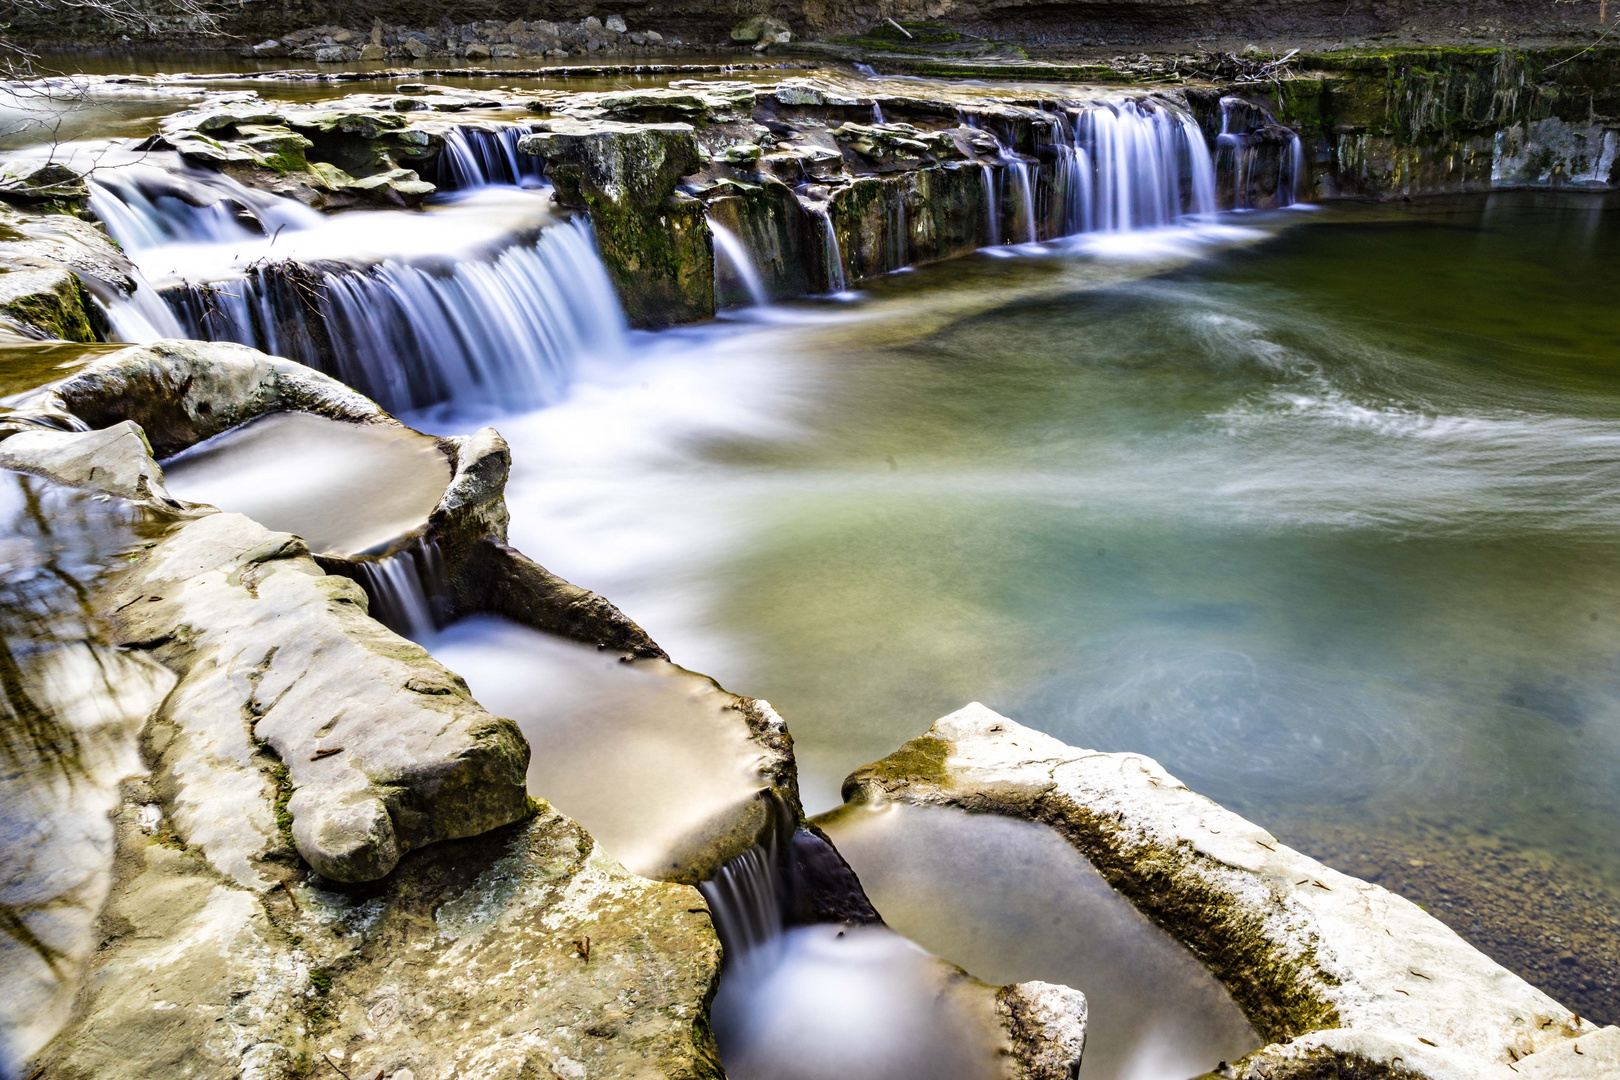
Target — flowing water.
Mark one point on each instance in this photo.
(1320, 514)
(1316, 508)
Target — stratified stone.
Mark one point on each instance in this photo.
(1343, 976)
(654, 240)
(382, 749)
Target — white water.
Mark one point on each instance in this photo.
(730, 244)
(1134, 165)
(409, 590)
(478, 157)
(484, 299)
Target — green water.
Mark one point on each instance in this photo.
(1328, 523)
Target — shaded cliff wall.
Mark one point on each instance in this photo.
(1027, 22)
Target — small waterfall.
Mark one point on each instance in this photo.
(1262, 161)
(1295, 172)
(730, 244)
(500, 330)
(409, 590)
(745, 900)
(476, 157)
(1026, 197)
(992, 203)
(834, 256)
(1136, 165)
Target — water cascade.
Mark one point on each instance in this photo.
(730, 245)
(835, 258)
(409, 590)
(486, 300)
(496, 331)
(1254, 154)
(745, 898)
(476, 157)
(992, 203)
(1132, 165)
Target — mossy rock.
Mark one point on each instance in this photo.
(47, 304)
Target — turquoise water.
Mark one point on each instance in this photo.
(1322, 515)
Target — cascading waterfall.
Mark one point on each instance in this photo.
(476, 157)
(1026, 198)
(496, 331)
(730, 245)
(1134, 165)
(1252, 147)
(409, 590)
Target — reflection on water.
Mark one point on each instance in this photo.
(651, 759)
(1326, 524)
(1012, 901)
(345, 488)
(70, 707)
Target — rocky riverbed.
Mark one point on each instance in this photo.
(319, 847)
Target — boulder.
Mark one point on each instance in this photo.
(615, 24)
(46, 303)
(764, 29)
(31, 181)
(373, 50)
(1342, 976)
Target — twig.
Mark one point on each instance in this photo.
(286, 888)
(898, 27)
(334, 1065)
(326, 753)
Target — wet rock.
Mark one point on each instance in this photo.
(46, 303)
(373, 50)
(182, 392)
(763, 29)
(383, 751)
(653, 238)
(1338, 973)
(33, 182)
(115, 461)
(1046, 1025)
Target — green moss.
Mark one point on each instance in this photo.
(52, 302)
(321, 980)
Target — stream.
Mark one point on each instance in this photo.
(1318, 506)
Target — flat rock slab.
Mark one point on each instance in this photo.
(383, 749)
(1337, 972)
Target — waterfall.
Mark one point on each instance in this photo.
(158, 202)
(746, 904)
(503, 330)
(992, 203)
(730, 244)
(475, 157)
(1026, 198)
(834, 257)
(409, 590)
(1136, 165)
(1295, 172)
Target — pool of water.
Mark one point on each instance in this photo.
(1320, 511)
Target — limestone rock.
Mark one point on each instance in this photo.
(654, 240)
(1046, 1024)
(115, 461)
(182, 392)
(27, 180)
(1340, 974)
(373, 50)
(383, 750)
(45, 303)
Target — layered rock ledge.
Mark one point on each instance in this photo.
(1341, 976)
